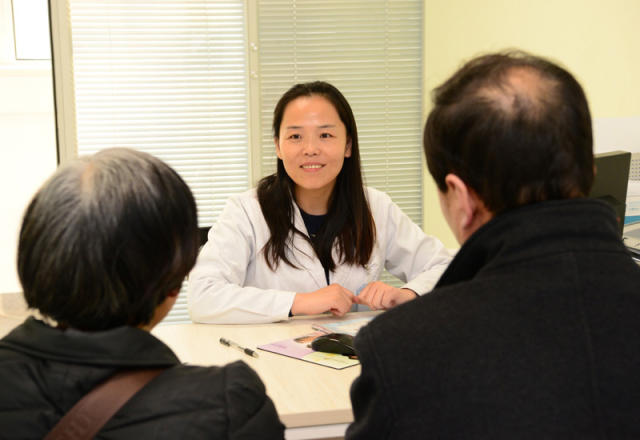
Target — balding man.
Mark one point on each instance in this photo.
(533, 332)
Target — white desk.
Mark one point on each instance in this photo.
(312, 400)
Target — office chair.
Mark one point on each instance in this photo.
(204, 234)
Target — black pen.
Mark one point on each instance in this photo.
(230, 343)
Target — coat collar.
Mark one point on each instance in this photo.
(539, 229)
(120, 346)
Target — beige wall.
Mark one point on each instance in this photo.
(598, 41)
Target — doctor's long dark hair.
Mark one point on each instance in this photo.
(349, 222)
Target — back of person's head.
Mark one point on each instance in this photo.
(515, 128)
(106, 239)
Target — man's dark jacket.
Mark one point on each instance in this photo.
(44, 371)
(533, 332)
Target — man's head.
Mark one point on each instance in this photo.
(513, 129)
(106, 240)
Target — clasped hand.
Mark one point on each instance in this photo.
(338, 300)
(380, 296)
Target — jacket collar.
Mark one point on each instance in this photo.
(539, 229)
(120, 346)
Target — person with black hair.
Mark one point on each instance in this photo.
(104, 247)
(311, 238)
(532, 332)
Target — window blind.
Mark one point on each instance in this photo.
(168, 78)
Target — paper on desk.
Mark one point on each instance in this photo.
(298, 348)
(348, 326)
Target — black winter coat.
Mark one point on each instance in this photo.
(44, 371)
(533, 332)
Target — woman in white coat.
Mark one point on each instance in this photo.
(311, 238)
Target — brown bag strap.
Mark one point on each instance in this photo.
(89, 414)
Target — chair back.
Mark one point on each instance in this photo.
(204, 234)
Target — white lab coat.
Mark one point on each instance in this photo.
(231, 282)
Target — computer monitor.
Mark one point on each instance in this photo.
(611, 180)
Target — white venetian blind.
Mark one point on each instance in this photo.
(372, 51)
(169, 78)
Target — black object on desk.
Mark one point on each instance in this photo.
(339, 343)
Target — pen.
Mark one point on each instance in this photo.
(230, 343)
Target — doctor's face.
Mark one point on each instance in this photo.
(312, 145)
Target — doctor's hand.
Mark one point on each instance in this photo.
(378, 295)
(333, 298)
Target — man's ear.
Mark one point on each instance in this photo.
(276, 141)
(161, 310)
(462, 199)
(467, 211)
